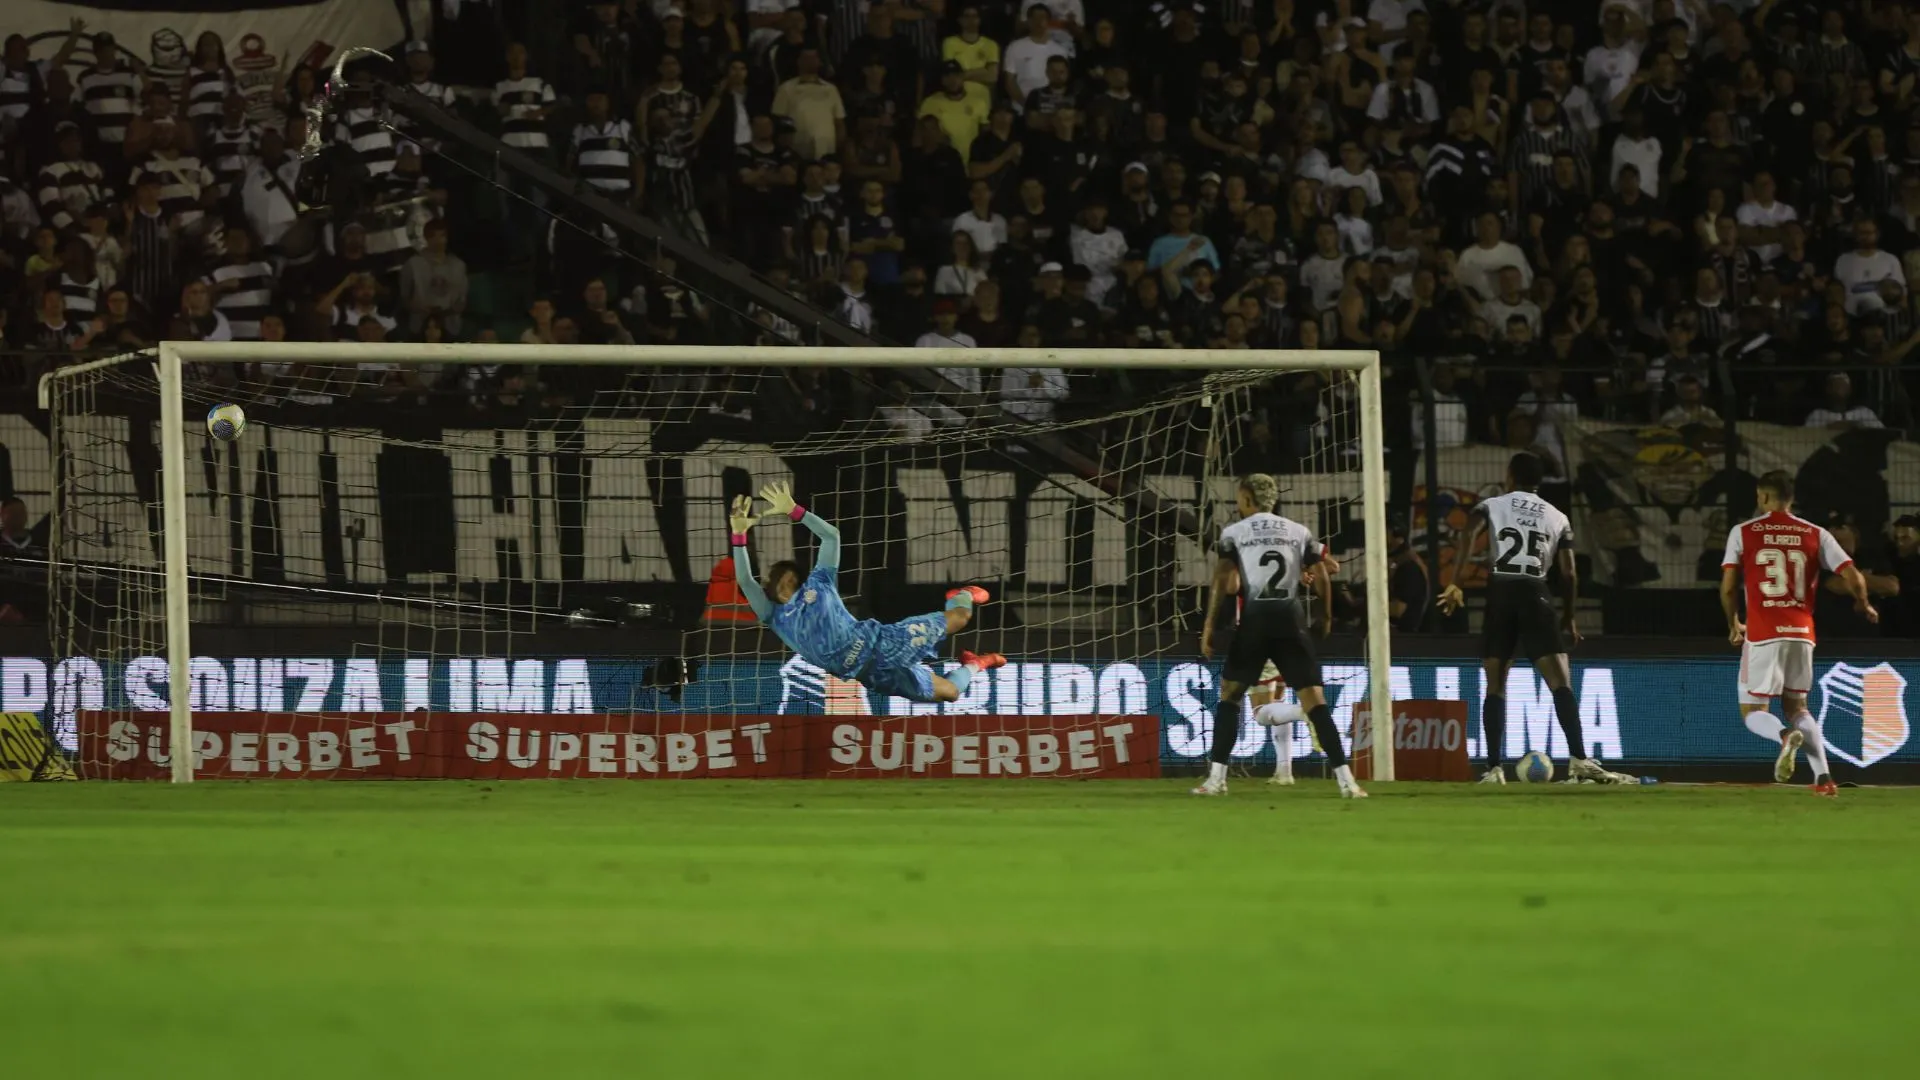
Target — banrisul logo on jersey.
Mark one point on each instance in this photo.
(1863, 712)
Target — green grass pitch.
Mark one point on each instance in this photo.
(902, 929)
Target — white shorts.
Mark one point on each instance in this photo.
(1769, 669)
(1270, 684)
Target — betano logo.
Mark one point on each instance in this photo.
(1873, 699)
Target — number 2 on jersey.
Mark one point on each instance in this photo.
(1278, 560)
(1530, 542)
(1785, 571)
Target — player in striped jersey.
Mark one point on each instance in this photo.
(1530, 154)
(420, 80)
(361, 127)
(523, 102)
(110, 90)
(71, 184)
(184, 181)
(79, 281)
(231, 145)
(23, 80)
(670, 95)
(242, 286)
(209, 81)
(603, 149)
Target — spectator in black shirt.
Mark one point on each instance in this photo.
(1221, 114)
(1015, 262)
(1063, 161)
(1662, 99)
(1409, 586)
(932, 172)
(1906, 571)
(1116, 117)
(1057, 94)
(905, 82)
(765, 180)
(1071, 319)
(996, 152)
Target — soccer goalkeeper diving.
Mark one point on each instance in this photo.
(810, 617)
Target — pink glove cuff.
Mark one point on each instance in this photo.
(739, 539)
(797, 512)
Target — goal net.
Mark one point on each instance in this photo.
(482, 562)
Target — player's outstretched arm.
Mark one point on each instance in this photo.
(1452, 598)
(739, 520)
(1857, 588)
(1570, 594)
(1729, 604)
(1224, 571)
(779, 497)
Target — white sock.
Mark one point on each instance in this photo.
(1765, 724)
(1283, 751)
(1216, 773)
(1344, 774)
(1816, 745)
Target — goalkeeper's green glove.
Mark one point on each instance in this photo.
(779, 497)
(740, 518)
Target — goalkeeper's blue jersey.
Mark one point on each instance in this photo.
(818, 626)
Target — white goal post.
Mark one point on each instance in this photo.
(175, 359)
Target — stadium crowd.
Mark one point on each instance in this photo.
(1586, 205)
(1621, 186)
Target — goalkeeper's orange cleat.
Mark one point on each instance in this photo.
(1825, 786)
(980, 595)
(981, 661)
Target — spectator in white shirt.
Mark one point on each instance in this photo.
(1097, 246)
(1838, 412)
(905, 421)
(1024, 62)
(1352, 172)
(1863, 269)
(1031, 394)
(945, 334)
(1611, 65)
(1407, 100)
(1691, 406)
(1574, 101)
(1509, 301)
(1476, 266)
(1762, 218)
(987, 229)
(1637, 149)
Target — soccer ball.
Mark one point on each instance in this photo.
(1534, 768)
(226, 422)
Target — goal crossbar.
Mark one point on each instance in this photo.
(348, 352)
(173, 356)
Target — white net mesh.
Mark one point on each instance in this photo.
(387, 570)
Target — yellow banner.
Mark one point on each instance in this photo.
(26, 753)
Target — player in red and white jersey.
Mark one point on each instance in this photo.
(1780, 557)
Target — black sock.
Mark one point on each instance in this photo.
(1493, 726)
(1226, 731)
(1321, 716)
(1567, 708)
